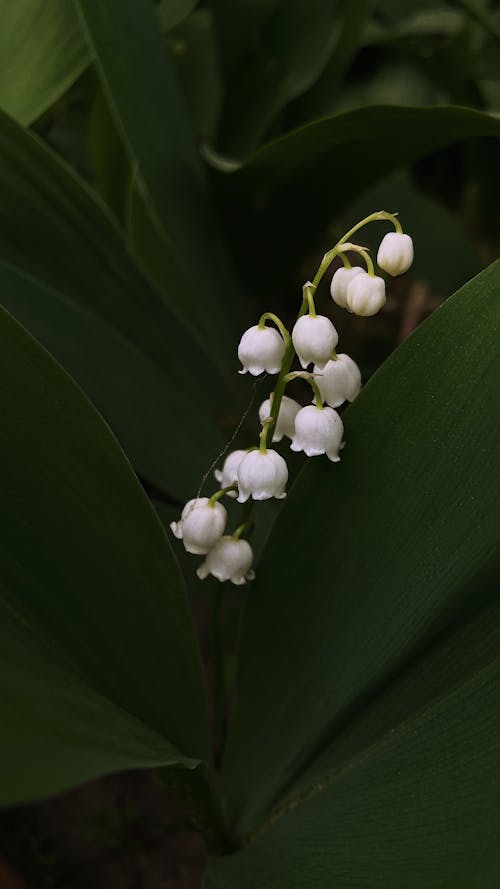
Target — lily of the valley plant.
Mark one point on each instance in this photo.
(260, 472)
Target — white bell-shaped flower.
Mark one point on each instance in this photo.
(261, 349)
(365, 294)
(395, 254)
(318, 430)
(262, 476)
(339, 380)
(286, 417)
(314, 339)
(229, 560)
(201, 525)
(340, 282)
(228, 475)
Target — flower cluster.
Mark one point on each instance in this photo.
(260, 472)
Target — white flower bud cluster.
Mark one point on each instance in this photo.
(261, 473)
(362, 292)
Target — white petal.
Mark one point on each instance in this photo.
(314, 339)
(317, 431)
(261, 349)
(339, 380)
(340, 281)
(395, 254)
(262, 476)
(286, 416)
(366, 295)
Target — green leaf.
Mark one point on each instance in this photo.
(54, 229)
(111, 173)
(351, 26)
(408, 795)
(51, 715)
(42, 52)
(100, 667)
(194, 50)
(158, 137)
(144, 406)
(370, 561)
(172, 12)
(285, 47)
(333, 160)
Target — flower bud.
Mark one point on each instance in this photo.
(395, 254)
(318, 431)
(261, 349)
(340, 282)
(229, 473)
(365, 294)
(201, 525)
(229, 560)
(339, 380)
(262, 476)
(286, 416)
(314, 339)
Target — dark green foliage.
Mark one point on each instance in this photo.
(186, 166)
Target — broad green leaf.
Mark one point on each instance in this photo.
(95, 621)
(321, 98)
(158, 137)
(172, 12)
(42, 52)
(144, 406)
(286, 55)
(194, 50)
(53, 228)
(332, 161)
(239, 27)
(371, 560)
(110, 167)
(408, 795)
(57, 730)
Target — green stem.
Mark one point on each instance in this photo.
(331, 254)
(263, 435)
(279, 389)
(279, 324)
(218, 494)
(308, 291)
(218, 666)
(309, 378)
(245, 526)
(246, 512)
(367, 258)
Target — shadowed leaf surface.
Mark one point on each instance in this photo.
(42, 52)
(86, 576)
(371, 560)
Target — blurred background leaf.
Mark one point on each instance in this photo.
(102, 317)
(87, 575)
(289, 195)
(172, 12)
(42, 52)
(273, 51)
(159, 140)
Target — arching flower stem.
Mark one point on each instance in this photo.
(218, 494)
(307, 296)
(279, 324)
(304, 375)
